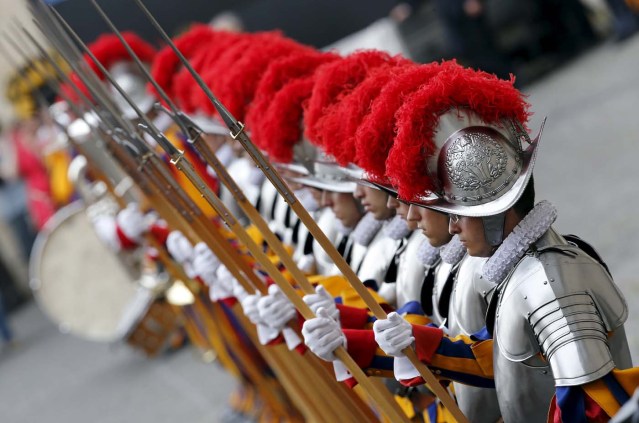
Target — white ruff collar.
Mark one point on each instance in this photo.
(344, 230)
(452, 252)
(427, 254)
(530, 229)
(366, 230)
(397, 228)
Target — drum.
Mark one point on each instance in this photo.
(153, 331)
(77, 281)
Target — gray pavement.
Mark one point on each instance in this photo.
(589, 155)
(54, 378)
(586, 167)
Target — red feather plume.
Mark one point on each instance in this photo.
(279, 96)
(491, 98)
(375, 135)
(336, 79)
(166, 63)
(339, 125)
(237, 80)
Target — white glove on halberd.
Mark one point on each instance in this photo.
(179, 247)
(275, 309)
(225, 285)
(393, 334)
(205, 263)
(132, 223)
(249, 306)
(322, 335)
(265, 333)
(181, 250)
(322, 299)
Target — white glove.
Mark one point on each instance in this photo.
(275, 309)
(393, 334)
(132, 223)
(181, 250)
(205, 263)
(249, 306)
(291, 338)
(323, 335)
(265, 333)
(179, 247)
(322, 299)
(225, 285)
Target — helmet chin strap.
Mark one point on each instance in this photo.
(494, 229)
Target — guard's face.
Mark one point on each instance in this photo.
(434, 225)
(471, 235)
(401, 209)
(344, 206)
(374, 201)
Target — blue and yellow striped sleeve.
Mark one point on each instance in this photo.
(464, 359)
(595, 401)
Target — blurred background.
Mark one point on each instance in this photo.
(577, 61)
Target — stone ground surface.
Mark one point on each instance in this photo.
(587, 167)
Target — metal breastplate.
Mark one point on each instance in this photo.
(468, 303)
(410, 273)
(305, 240)
(282, 220)
(524, 390)
(371, 262)
(467, 309)
(237, 170)
(326, 222)
(441, 277)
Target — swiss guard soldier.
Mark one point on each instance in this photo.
(427, 267)
(555, 318)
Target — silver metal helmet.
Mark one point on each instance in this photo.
(479, 169)
(305, 155)
(131, 80)
(327, 175)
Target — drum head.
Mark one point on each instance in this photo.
(77, 281)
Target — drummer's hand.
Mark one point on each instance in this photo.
(132, 223)
(205, 263)
(393, 334)
(275, 309)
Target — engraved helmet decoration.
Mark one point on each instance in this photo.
(462, 146)
(481, 169)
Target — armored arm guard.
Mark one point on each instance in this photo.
(563, 304)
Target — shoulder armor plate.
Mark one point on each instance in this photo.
(560, 301)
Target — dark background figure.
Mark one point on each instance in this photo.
(5, 330)
(626, 21)
(470, 36)
(527, 37)
(14, 214)
(568, 29)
